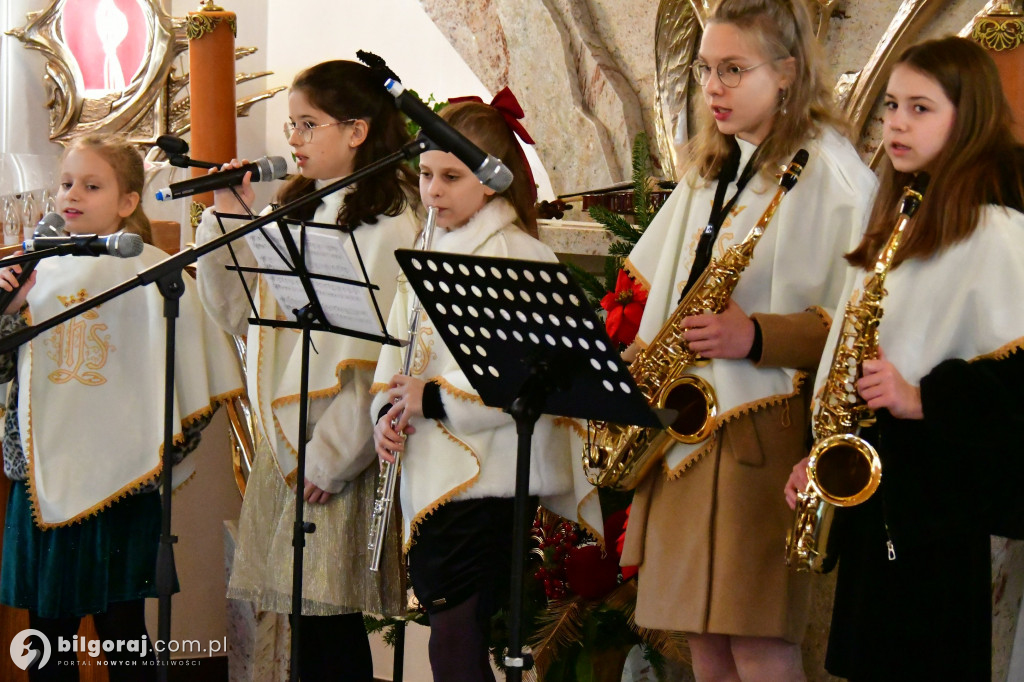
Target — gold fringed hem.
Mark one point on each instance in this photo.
(378, 387)
(183, 483)
(597, 534)
(572, 425)
(448, 496)
(738, 411)
(634, 271)
(330, 390)
(100, 506)
(826, 318)
(125, 491)
(457, 392)
(1003, 352)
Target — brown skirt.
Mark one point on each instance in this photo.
(711, 543)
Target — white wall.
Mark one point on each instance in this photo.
(312, 31)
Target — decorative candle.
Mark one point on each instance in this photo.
(211, 64)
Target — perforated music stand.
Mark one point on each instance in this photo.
(525, 337)
(309, 318)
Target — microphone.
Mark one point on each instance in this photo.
(120, 244)
(51, 225)
(263, 170)
(489, 170)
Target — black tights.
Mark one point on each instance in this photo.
(123, 621)
(334, 649)
(458, 644)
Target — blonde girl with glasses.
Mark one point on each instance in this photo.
(340, 120)
(707, 529)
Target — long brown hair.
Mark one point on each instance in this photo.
(486, 128)
(129, 170)
(343, 90)
(981, 162)
(781, 29)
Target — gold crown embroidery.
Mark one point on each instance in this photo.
(74, 299)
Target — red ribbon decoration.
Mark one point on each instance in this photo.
(508, 106)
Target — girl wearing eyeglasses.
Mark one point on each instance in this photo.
(340, 120)
(708, 528)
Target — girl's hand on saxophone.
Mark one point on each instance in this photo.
(797, 482)
(730, 334)
(883, 386)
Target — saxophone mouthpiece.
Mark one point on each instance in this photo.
(792, 173)
(914, 194)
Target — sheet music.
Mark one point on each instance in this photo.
(345, 305)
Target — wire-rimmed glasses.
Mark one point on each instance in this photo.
(305, 128)
(729, 73)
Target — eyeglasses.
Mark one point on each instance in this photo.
(728, 73)
(305, 128)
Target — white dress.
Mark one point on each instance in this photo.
(340, 455)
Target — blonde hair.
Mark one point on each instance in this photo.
(781, 29)
(126, 162)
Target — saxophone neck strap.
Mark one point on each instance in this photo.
(705, 247)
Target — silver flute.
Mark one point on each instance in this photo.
(387, 481)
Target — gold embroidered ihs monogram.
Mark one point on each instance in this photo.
(79, 348)
(424, 352)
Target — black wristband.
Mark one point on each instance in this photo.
(384, 410)
(433, 407)
(754, 355)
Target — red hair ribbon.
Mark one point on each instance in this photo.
(508, 106)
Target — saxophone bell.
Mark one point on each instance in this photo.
(696, 407)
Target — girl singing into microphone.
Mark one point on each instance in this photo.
(340, 118)
(84, 422)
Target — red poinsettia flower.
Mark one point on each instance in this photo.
(625, 307)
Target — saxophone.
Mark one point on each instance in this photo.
(844, 469)
(618, 456)
(387, 479)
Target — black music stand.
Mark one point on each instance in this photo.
(308, 318)
(529, 343)
(168, 278)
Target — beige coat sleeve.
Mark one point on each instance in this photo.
(220, 289)
(342, 443)
(796, 340)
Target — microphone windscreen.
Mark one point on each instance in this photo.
(271, 168)
(52, 225)
(125, 245)
(172, 144)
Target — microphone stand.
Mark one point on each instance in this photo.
(167, 276)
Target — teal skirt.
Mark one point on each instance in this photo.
(79, 569)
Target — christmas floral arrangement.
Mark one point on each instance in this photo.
(585, 628)
(620, 297)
